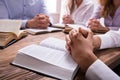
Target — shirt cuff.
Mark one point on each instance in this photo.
(99, 71)
(114, 28)
(24, 24)
(105, 39)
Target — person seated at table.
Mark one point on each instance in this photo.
(110, 11)
(81, 44)
(77, 11)
(33, 13)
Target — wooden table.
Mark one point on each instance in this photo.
(9, 72)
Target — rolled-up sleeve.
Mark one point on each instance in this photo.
(99, 71)
(110, 39)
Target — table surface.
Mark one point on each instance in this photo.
(111, 57)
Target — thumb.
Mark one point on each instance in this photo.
(90, 35)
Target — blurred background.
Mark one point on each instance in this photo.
(55, 8)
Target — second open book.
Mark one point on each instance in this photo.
(10, 32)
(50, 58)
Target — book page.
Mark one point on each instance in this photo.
(5, 38)
(51, 56)
(35, 31)
(59, 25)
(76, 26)
(54, 43)
(10, 26)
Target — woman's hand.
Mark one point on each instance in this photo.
(67, 19)
(96, 26)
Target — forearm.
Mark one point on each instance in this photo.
(109, 40)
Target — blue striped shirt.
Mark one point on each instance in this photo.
(21, 9)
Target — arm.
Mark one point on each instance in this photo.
(110, 39)
(101, 73)
(4, 14)
(64, 10)
(88, 12)
(43, 10)
(97, 13)
(81, 48)
(114, 28)
(42, 19)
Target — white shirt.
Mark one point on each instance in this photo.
(81, 14)
(98, 70)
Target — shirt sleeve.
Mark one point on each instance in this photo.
(88, 13)
(64, 10)
(97, 13)
(114, 28)
(4, 13)
(3, 10)
(99, 71)
(44, 10)
(110, 39)
(23, 26)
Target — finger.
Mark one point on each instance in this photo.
(43, 21)
(68, 48)
(84, 32)
(68, 42)
(42, 16)
(65, 16)
(80, 36)
(91, 19)
(96, 21)
(90, 35)
(43, 25)
(96, 25)
(71, 35)
(90, 23)
(67, 38)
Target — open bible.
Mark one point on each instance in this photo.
(10, 32)
(40, 31)
(50, 58)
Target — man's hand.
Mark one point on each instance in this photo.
(67, 19)
(81, 48)
(39, 21)
(96, 26)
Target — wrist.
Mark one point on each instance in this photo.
(28, 24)
(87, 62)
(107, 29)
(96, 42)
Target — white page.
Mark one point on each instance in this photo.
(10, 26)
(43, 67)
(54, 43)
(49, 29)
(59, 25)
(51, 56)
(76, 26)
